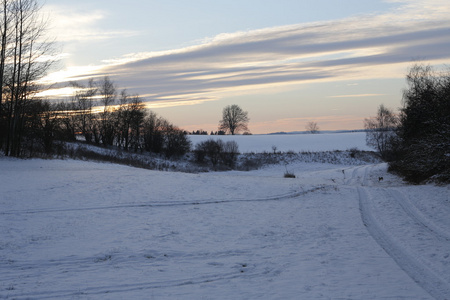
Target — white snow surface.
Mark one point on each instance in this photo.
(292, 142)
(84, 230)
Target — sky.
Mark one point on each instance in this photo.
(286, 62)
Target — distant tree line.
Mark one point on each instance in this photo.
(203, 132)
(199, 132)
(417, 141)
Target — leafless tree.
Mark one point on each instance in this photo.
(381, 130)
(312, 127)
(82, 110)
(234, 119)
(4, 34)
(152, 132)
(108, 95)
(22, 63)
(130, 115)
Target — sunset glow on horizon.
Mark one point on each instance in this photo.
(287, 63)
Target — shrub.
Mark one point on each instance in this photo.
(289, 175)
(217, 152)
(353, 151)
(211, 149)
(176, 143)
(229, 153)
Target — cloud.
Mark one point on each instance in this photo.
(69, 25)
(363, 47)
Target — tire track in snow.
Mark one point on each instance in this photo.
(419, 272)
(405, 257)
(418, 216)
(239, 271)
(75, 262)
(165, 203)
(358, 175)
(108, 290)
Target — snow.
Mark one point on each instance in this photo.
(293, 142)
(84, 230)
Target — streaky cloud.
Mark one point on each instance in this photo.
(359, 47)
(68, 25)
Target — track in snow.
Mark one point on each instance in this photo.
(123, 288)
(403, 232)
(164, 203)
(418, 216)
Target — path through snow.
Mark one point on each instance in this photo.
(419, 246)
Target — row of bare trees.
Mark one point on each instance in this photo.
(103, 116)
(23, 60)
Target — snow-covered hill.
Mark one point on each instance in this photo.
(83, 230)
(293, 142)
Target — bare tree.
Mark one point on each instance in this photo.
(22, 63)
(4, 34)
(82, 104)
(108, 94)
(4, 29)
(234, 119)
(312, 127)
(381, 130)
(153, 132)
(130, 117)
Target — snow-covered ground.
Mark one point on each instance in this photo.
(83, 230)
(293, 142)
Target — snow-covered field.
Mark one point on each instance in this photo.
(293, 142)
(83, 230)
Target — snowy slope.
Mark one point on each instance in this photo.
(293, 142)
(84, 230)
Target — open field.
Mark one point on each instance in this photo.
(293, 142)
(84, 230)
